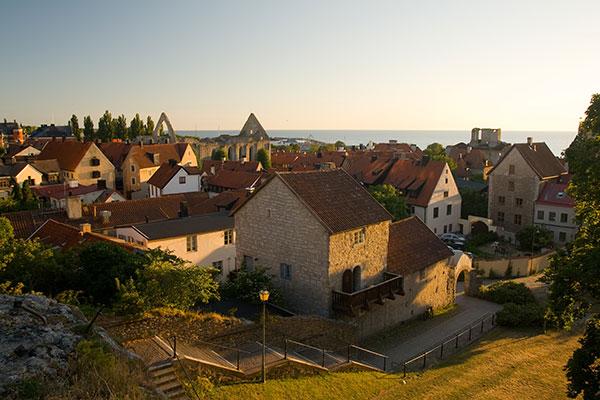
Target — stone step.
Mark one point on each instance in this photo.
(163, 379)
(170, 385)
(168, 369)
(177, 394)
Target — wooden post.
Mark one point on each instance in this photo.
(482, 325)
(404, 369)
(470, 333)
(442, 351)
(349, 346)
(456, 345)
(238, 359)
(424, 360)
(285, 349)
(174, 346)
(323, 363)
(384, 363)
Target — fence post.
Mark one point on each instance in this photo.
(174, 346)
(493, 318)
(470, 333)
(442, 351)
(456, 345)
(323, 364)
(424, 360)
(285, 349)
(349, 346)
(482, 321)
(384, 363)
(238, 359)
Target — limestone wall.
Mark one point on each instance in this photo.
(521, 266)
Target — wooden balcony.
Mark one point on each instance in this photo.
(355, 303)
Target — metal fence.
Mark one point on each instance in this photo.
(450, 345)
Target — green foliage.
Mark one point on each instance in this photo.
(583, 368)
(167, 281)
(520, 315)
(120, 127)
(507, 292)
(16, 193)
(105, 127)
(291, 148)
(339, 144)
(474, 202)
(136, 127)
(218, 154)
(21, 198)
(482, 238)
(391, 199)
(6, 231)
(263, 157)
(436, 151)
(591, 123)
(245, 285)
(534, 237)
(149, 126)
(74, 125)
(509, 270)
(88, 129)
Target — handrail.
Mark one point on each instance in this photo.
(303, 344)
(364, 290)
(223, 346)
(369, 351)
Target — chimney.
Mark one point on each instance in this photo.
(183, 209)
(105, 216)
(424, 160)
(212, 169)
(529, 140)
(85, 228)
(373, 158)
(469, 148)
(73, 207)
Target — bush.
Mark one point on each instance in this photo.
(482, 238)
(507, 292)
(245, 285)
(520, 315)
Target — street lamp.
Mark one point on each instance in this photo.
(264, 297)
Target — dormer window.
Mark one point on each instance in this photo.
(358, 237)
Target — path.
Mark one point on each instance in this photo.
(422, 336)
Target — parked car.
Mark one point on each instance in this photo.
(454, 237)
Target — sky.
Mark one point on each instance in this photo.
(455, 64)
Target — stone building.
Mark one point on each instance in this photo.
(515, 184)
(326, 243)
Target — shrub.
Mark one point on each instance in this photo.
(520, 315)
(507, 292)
(483, 238)
(245, 285)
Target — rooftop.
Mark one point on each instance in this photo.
(555, 193)
(417, 179)
(167, 171)
(68, 153)
(185, 226)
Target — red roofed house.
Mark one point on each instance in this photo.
(515, 184)
(81, 162)
(55, 196)
(225, 180)
(172, 178)
(331, 249)
(555, 210)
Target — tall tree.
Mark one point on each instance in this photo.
(218, 154)
(149, 126)
(573, 274)
(262, 156)
(391, 199)
(105, 127)
(16, 193)
(120, 127)
(436, 151)
(74, 125)
(88, 129)
(136, 127)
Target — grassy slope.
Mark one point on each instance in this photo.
(507, 364)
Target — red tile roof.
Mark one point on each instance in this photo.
(166, 152)
(246, 166)
(417, 179)
(368, 167)
(116, 152)
(412, 246)
(539, 157)
(25, 222)
(555, 193)
(60, 191)
(405, 149)
(338, 201)
(234, 179)
(69, 153)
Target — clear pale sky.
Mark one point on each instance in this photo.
(529, 65)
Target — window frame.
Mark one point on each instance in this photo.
(228, 237)
(285, 271)
(191, 243)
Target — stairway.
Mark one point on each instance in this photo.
(164, 377)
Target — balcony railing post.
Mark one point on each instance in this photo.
(285, 349)
(323, 363)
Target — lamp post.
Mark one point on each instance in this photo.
(264, 297)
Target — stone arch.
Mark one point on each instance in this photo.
(253, 152)
(231, 153)
(464, 266)
(241, 152)
(347, 281)
(163, 118)
(479, 227)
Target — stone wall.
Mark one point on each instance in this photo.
(521, 266)
(432, 287)
(274, 228)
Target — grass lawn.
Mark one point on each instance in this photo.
(506, 364)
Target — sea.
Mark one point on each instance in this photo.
(558, 141)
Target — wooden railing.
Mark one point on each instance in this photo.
(352, 303)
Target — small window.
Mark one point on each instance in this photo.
(94, 162)
(182, 180)
(450, 228)
(449, 209)
(519, 202)
(540, 215)
(501, 200)
(511, 169)
(95, 174)
(552, 216)
(445, 228)
(446, 193)
(218, 265)
(564, 217)
(436, 212)
(285, 271)
(359, 236)
(518, 219)
(446, 180)
(133, 181)
(434, 230)
(562, 236)
(249, 263)
(192, 243)
(228, 238)
(133, 168)
(500, 216)
(511, 186)
(412, 210)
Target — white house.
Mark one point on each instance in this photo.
(204, 240)
(20, 172)
(430, 191)
(555, 210)
(172, 178)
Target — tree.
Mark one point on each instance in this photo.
(6, 230)
(149, 126)
(136, 128)
(340, 144)
(474, 202)
(16, 193)
(436, 151)
(591, 123)
(29, 200)
(391, 199)
(583, 369)
(245, 285)
(105, 127)
(218, 154)
(262, 156)
(120, 127)
(74, 125)
(534, 237)
(88, 129)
